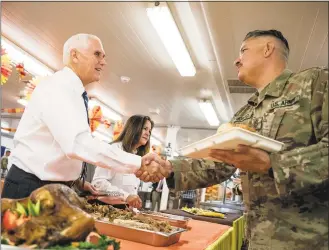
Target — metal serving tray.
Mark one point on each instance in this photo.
(157, 239)
(173, 220)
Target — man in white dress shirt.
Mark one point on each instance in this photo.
(53, 138)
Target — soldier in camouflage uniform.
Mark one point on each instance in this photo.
(285, 193)
(4, 164)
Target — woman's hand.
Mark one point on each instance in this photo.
(90, 188)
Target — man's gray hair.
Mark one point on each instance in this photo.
(78, 41)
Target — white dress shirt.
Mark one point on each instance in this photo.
(109, 180)
(53, 137)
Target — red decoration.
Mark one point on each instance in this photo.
(117, 129)
(21, 71)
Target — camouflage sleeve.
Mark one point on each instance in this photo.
(193, 173)
(3, 163)
(305, 168)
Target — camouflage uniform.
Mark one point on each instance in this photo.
(4, 163)
(290, 209)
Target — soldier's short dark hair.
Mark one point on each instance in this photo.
(274, 33)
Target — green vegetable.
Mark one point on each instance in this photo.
(33, 209)
(66, 247)
(36, 208)
(4, 241)
(30, 208)
(103, 243)
(20, 209)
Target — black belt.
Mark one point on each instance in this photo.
(67, 183)
(41, 182)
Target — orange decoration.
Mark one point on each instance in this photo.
(95, 115)
(13, 110)
(117, 129)
(5, 66)
(96, 118)
(107, 123)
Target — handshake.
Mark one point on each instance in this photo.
(153, 168)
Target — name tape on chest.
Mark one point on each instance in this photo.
(284, 103)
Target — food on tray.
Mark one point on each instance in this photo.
(227, 126)
(132, 223)
(107, 212)
(51, 215)
(127, 218)
(157, 214)
(212, 192)
(173, 220)
(203, 212)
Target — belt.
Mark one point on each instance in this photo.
(67, 183)
(37, 179)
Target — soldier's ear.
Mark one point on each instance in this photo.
(268, 49)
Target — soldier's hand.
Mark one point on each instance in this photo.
(245, 158)
(167, 168)
(153, 168)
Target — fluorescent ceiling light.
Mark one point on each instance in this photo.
(22, 101)
(106, 111)
(164, 24)
(209, 112)
(31, 65)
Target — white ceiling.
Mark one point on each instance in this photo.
(212, 31)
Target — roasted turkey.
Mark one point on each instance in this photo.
(61, 219)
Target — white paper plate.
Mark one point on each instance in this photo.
(229, 140)
(5, 247)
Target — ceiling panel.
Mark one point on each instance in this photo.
(313, 51)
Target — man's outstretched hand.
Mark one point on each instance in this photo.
(153, 168)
